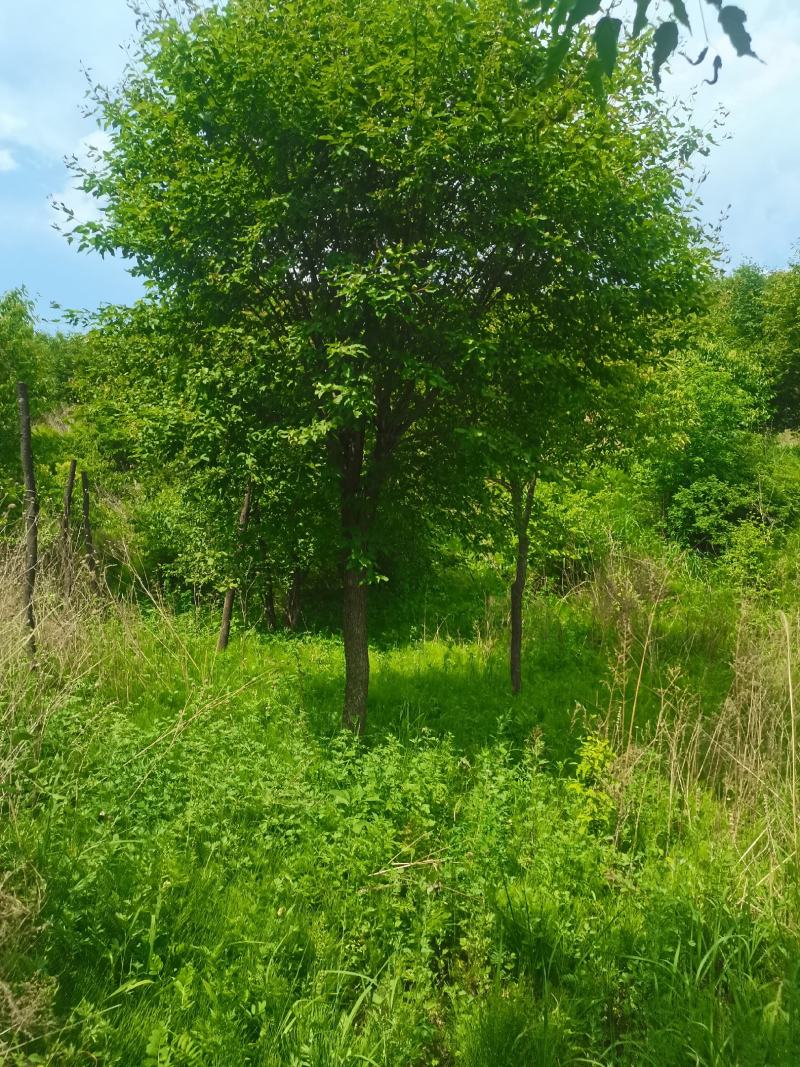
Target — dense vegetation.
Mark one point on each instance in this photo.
(434, 358)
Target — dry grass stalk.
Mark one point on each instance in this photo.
(744, 752)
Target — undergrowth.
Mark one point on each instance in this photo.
(201, 870)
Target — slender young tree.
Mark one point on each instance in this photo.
(230, 592)
(555, 405)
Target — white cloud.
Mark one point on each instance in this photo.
(7, 161)
(44, 48)
(752, 173)
(10, 125)
(85, 208)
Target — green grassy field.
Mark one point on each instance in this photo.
(214, 874)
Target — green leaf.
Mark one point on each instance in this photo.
(640, 21)
(555, 57)
(594, 75)
(560, 13)
(717, 69)
(681, 14)
(700, 58)
(606, 40)
(665, 42)
(732, 20)
(582, 9)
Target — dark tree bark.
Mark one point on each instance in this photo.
(356, 650)
(291, 615)
(227, 607)
(31, 519)
(522, 501)
(88, 539)
(269, 607)
(66, 547)
(355, 634)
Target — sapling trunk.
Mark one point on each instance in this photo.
(269, 607)
(31, 509)
(356, 650)
(355, 515)
(517, 595)
(292, 612)
(522, 502)
(230, 593)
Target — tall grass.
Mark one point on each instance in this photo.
(205, 872)
(742, 748)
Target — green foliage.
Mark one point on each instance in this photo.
(781, 323)
(230, 885)
(44, 363)
(705, 460)
(389, 225)
(592, 775)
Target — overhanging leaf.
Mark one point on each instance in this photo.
(699, 60)
(681, 14)
(582, 9)
(606, 39)
(717, 68)
(640, 21)
(732, 20)
(665, 42)
(560, 13)
(594, 75)
(555, 57)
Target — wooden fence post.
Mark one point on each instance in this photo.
(31, 518)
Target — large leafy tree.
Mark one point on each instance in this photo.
(352, 189)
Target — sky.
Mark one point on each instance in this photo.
(751, 188)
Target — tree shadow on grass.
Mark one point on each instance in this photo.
(462, 690)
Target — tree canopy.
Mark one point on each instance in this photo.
(335, 205)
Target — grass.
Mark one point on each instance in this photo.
(601, 872)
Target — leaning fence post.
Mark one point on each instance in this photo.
(31, 518)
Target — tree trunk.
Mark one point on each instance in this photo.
(88, 540)
(31, 519)
(230, 593)
(517, 594)
(227, 615)
(269, 608)
(356, 650)
(355, 522)
(522, 501)
(66, 547)
(291, 615)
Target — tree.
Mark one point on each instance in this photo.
(44, 362)
(559, 403)
(194, 421)
(781, 322)
(348, 191)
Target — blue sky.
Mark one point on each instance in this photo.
(753, 177)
